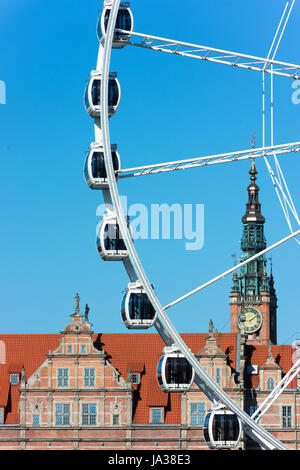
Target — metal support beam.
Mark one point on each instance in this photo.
(210, 54)
(143, 170)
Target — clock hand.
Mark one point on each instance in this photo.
(252, 318)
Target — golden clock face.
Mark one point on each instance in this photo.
(253, 319)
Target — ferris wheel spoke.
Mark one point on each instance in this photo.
(211, 54)
(209, 160)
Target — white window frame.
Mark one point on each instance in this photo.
(119, 419)
(138, 378)
(63, 378)
(88, 414)
(12, 377)
(197, 414)
(286, 419)
(89, 377)
(34, 416)
(63, 404)
(154, 409)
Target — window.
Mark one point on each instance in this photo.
(270, 383)
(89, 414)
(286, 416)
(89, 377)
(156, 416)
(197, 413)
(252, 409)
(69, 348)
(218, 376)
(14, 379)
(115, 420)
(35, 420)
(62, 377)
(62, 414)
(135, 378)
(83, 348)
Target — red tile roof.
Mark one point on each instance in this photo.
(126, 352)
(4, 389)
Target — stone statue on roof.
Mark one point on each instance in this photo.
(77, 300)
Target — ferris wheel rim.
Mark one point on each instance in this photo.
(137, 269)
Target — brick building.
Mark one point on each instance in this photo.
(81, 390)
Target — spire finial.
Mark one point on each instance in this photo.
(271, 263)
(253, 141)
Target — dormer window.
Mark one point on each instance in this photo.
(83, 348)
(14, 379)
(70, 348)
(270, 383)
(135, 378)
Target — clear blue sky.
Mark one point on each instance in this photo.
(171, 108)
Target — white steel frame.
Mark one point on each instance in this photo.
(211, 54)
(133, 264)
(209, 160)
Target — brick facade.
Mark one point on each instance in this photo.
(80, 394)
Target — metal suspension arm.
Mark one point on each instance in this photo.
(210, 54)
(209, 160)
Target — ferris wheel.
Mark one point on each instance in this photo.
(141, 308)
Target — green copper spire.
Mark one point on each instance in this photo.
(253, 277)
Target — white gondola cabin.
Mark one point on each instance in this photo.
(222, 428)
(94, 166)
(92, 97)
(124, 21)
(174, 372)
(109, 242)
(137, 311)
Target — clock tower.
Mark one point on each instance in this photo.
(253, 301)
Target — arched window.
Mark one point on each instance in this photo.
(270, 383)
